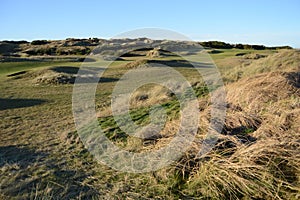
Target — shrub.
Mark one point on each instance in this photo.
(39, 42)
(216, 44)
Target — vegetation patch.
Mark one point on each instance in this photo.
(256, 156)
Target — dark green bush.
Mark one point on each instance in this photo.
(39, 42)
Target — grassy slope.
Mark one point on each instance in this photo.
(41, 155)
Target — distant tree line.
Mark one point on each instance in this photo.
(15, 42)
(216, 45)
(223, 45)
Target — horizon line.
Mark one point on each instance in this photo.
(135, 38)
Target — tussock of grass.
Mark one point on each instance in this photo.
(266, 170)
(267, 167)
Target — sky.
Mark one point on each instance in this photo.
(267, 22)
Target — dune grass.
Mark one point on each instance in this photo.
(257, 157)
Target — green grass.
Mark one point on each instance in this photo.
(11, 67)
(48, 130)
(224, 53)
(41, 155)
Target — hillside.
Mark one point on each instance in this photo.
(42, 155)
(73, 46)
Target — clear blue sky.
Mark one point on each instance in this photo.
(269, 22)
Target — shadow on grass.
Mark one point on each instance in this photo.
(181, 63)
(74, 70)
(47, 59)
(87, 75)
(16, 74)
(82, 80)
(23, 156)
(66, 69)
(19, 103)
(24, 163)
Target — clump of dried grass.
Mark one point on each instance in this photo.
(272, 97)
(136, 64)
(267, 167)
(254, 93)
(151, 95)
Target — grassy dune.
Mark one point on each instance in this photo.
(257, 157)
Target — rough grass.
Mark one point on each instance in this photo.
(42, 157)
(263, 165)
(235, 68)
(264, 170)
